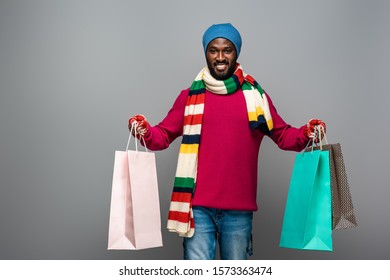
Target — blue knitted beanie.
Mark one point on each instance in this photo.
(224, 30)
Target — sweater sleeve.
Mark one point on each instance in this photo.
(284, 135)
(160, 136)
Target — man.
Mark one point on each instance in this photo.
(222, 119)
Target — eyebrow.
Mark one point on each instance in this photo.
(225, 48)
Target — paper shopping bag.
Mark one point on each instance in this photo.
(343, 213)
(307, 222)
(135, 209)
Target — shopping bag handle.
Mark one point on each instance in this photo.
(134, 128)
(320, 130)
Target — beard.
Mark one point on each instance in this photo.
(221, 75)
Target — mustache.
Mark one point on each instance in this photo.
(221, 63)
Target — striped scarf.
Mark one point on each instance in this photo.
(180, 217)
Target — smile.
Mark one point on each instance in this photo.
(221, 67)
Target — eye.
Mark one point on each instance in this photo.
(228, 51)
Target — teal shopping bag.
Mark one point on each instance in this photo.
(307, 222)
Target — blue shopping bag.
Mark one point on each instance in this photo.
(307, 222)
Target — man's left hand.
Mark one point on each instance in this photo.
(312, 133)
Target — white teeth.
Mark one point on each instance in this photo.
(221, 67)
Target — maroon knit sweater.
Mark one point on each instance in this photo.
(228, 151)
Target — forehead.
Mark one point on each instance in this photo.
(220, 43)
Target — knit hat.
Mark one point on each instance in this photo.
(224, 30)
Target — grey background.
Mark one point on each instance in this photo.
(73, 72)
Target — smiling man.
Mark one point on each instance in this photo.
(221, 58)
(222, 119)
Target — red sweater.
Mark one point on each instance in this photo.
(228, 153)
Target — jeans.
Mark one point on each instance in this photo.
(231, 229)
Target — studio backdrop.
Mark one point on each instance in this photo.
(73, 72)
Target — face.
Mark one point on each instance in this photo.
(221, 58)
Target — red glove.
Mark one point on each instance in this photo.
(140, 124)
(312, 133)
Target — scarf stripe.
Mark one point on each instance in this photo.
(180, 217)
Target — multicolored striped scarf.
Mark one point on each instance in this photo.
(180, 217)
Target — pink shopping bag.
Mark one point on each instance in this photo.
(135, 221)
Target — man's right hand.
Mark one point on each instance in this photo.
(140, 124)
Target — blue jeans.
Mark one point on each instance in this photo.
(231, 229)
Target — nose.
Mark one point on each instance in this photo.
(220, 56)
